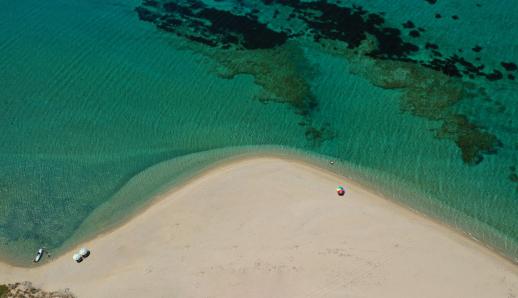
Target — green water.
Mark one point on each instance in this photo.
(100, 111)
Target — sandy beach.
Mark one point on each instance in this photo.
(266, 227)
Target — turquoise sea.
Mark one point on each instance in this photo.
(104, 104)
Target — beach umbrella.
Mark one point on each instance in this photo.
(77, 257)
(84, 252)
(340, 191)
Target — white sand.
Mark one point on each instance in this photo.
(267, 227)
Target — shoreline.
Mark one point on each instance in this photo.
(252, 166)
(243, 157)
(229, 161)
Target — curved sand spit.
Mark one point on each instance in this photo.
(266, 227)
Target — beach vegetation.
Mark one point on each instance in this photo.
(26, 289)
(4, 290)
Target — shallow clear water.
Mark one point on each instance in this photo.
(100, 111)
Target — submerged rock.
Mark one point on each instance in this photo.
(245, 42)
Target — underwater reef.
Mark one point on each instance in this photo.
(258, 37)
